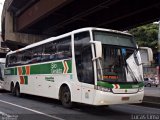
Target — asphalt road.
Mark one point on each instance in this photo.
(152, 91)
(39, 108)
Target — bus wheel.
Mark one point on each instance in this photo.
(12, 89)
(66, 97)
(17, 90)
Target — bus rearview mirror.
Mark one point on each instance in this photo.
(98, 48)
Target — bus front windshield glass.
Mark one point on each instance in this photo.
(118, 52)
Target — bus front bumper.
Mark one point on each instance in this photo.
(109, 98)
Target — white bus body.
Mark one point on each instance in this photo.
(76, 67)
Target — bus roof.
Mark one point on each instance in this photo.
(67, 34)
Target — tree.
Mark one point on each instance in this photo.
(146, 35)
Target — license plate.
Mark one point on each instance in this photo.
(125, 98)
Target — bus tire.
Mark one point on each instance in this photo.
(17, 90)
(65, 97)
(12, 89)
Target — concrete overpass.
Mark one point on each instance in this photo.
(3, 49)
(27, 21)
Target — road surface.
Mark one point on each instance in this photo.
(39, 108)
(152, 91)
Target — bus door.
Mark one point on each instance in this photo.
(87, 76)
(84, 66)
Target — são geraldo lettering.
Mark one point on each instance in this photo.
(55, 69)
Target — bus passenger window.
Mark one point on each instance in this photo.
(64, 48)
(12, 60)
(49, 52)
(37, 54)
(26, 59)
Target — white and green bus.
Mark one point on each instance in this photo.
(90, 65)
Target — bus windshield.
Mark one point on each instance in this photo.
(118, 52)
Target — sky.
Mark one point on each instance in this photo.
(1, 7)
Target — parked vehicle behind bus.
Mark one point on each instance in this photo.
(149, 82)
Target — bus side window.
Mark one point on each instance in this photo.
(53, 55)
(19, 58)
(64, 48)
(49, 52)
(26, 59)
(12, 60)
(37, 54)
(57, 50)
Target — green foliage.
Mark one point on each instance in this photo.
(146, 35)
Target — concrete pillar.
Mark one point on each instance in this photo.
(13, 38)
(22, 38)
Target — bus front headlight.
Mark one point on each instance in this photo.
(141, 89)
(102, 88)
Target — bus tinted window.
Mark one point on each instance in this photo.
(57, 50)
(36, 54)
(64, 48)
(49, 52)
(83, 56)
(19, 57)
(12, 60)
(27, 56)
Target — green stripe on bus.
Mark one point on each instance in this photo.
(69, 62)
(40, 69)
(23, 70)
(10, 71)
(104, 84)
(25, 80)
(48, 68)
(122, 85)
(57, 68)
